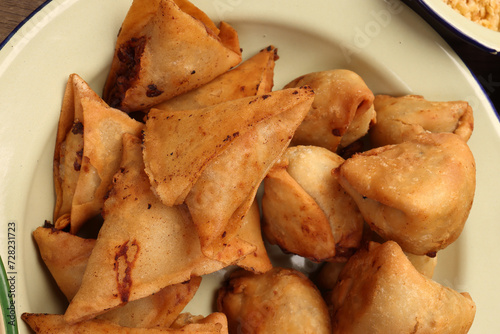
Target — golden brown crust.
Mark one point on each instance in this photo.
(306, 211)
(418, 193)
(402, 118)
(279, 301)
(340, 96)
(143, 246)
(162, 52)
(379, 291)
(252, 77)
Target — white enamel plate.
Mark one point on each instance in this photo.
(385, 42)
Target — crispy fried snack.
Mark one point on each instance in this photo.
(87, 153)
(188, 156)
(68, 267)
(166, 48)
(252, 77)
(54, 323)
(380, 291)
(143, 245)
(342, 98)
(258, 261)
(401, 118)
(279, 301)
(306, 211)
(418, 193)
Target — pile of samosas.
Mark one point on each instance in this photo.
(168, 164)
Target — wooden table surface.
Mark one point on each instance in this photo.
(484, 66)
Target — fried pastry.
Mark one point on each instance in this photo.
(68, 267)
(341, 98)
(54, 323)
(188, 155)
(166, 48)
(306, 211)
(88, 153)
(401, 118)
(258, 261)
(418, 193)
(142, 247)
(279, 301)
(252, 77)
(380, 291)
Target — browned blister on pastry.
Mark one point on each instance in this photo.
(306, 211)
(402, 118)
(254, 76)
(166, 48)
(215, 158)
(342, 97)
(418, 193)
(87, 154)
(380, 291)
(142, 247)
(279, 301)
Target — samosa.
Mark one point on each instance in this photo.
(166, 48)
(67, 268)
(380, 291)
(254, 76)
(142, 247)
(214, 158)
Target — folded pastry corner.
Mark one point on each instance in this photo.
(87, 154)
(254, 76)
(54, 323)
(166, 48)
(66, 267)
(402, 118)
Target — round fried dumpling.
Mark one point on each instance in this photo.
(279, 301)
(418, 193)
(380, 291)
(341, 98)
(306, 211)
(402, 118)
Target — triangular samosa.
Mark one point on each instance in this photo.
(87, 157)
(254, 76)
(163, 51)
(68, 267)
(418, 193)
(214, 158)
(142, 247)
